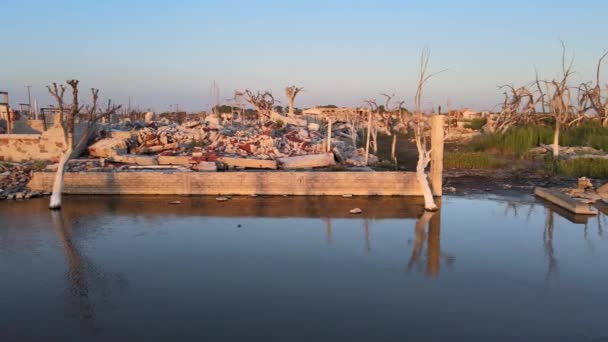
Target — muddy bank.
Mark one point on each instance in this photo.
(464, 182)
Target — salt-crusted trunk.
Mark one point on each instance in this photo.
(291, 111)
(393, 148)
(58, 184)
(556, 139)
(429, 201)
(375, 140)
(424, 158)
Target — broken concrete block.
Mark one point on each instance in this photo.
(603, 188)
(173, 160)
(307, 161)
(109, 147)
(584, 183)
(206, 166)
(313, 126)
(248, 163)
(136, 159)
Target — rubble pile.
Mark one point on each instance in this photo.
(14, 178)
(198, 144)
(570, 152)
(586, 193)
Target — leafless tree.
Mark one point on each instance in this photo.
(67, 124)
(291, 92)
(592, 95)
(419, 123)
(262, 101)
(559, 95)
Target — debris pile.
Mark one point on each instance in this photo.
(586, 193)
(568, 152)
(206, 145)
(14, 178)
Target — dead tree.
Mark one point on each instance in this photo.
(291, 92)
(593, 95)
(392, 118)
(373, 108)
(559, 100)
(262, 101)
(419, 123)
(67, 123)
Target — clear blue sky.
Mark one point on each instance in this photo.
(165, 52)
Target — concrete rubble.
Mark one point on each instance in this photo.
(14, 178)
(568, 152)
(207, 145)
(586, 193)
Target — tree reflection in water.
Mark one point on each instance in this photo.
(552, 273)
(432, 238)
(87, 283)
(552, 267)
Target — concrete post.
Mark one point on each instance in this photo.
(437, 137)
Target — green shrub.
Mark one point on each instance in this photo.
(39, 165)
(471, 160)
(519, 140)
(579, 167)
(589, 134)
(476, 124)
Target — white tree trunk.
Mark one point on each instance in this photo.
(394, 147)
(291, 111)
(429, 201)
(375, 140)
(556, 140)
(369, 131)
(58, 184)
(329, 135)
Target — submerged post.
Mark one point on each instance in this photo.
(437, 137)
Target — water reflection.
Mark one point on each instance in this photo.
(551, 210)
(289, 267)
(88, 283)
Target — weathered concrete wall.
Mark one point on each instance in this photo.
(23, 147)
(234, 183)
(27, 143)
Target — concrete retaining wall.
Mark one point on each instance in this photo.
(234, 183)
(23, 147)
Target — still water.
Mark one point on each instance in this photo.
(301, 268)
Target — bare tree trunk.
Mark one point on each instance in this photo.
(556, 139)
(329, 135)
(424, 157)
(291, 92)
(375, 140)
(369, 131)
(55, 202)
(393, 148)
